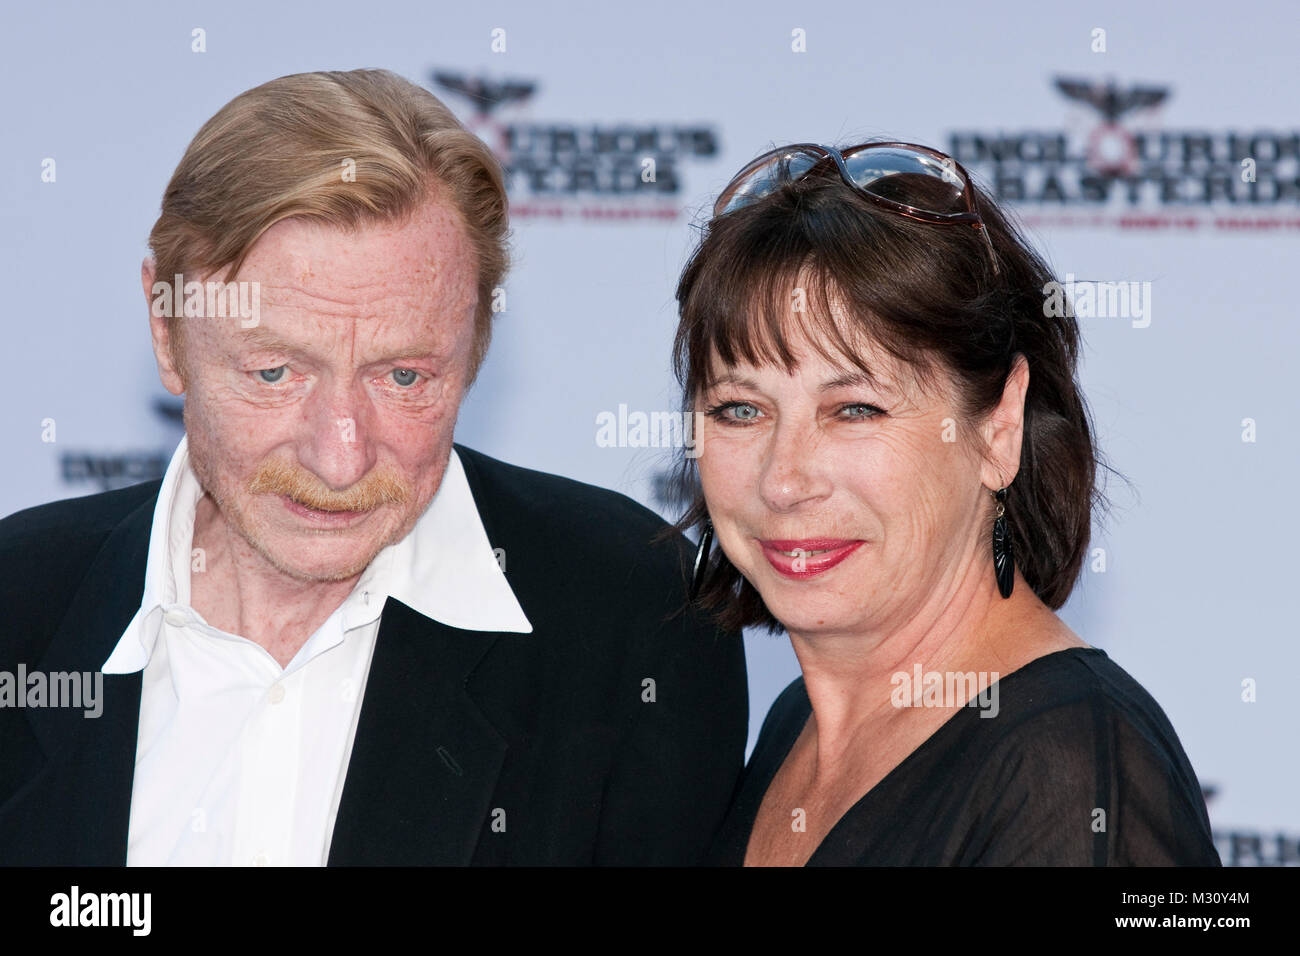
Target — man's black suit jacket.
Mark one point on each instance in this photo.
(548, 733)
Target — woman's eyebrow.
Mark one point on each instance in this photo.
(851, 380)
(734, 380)
(847, 380)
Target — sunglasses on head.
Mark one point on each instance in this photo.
(914, 181)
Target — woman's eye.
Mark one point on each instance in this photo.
(860, 410)
(733, 412)
(405, 377)
(272, 375)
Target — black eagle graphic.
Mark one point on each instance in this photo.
(1109, 99)
(485, 94)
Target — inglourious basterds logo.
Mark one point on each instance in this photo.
(586, 170)
(1117, 165)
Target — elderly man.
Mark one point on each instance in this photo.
(330, 635)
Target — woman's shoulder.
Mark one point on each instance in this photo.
(1078, 741)
(1078, 685)
(1080, 703)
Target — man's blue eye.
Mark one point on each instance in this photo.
(744, 410)
(272, 375)
(405, 377)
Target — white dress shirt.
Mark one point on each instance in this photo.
(240, 761)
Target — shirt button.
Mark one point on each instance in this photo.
(175, 618)
(261, 860)
(277, 693)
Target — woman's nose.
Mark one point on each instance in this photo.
(793, 472)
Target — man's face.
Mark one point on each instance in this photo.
(323, 431)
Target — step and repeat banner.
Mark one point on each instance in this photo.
(1152, 154)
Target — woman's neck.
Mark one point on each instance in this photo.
(863, 685)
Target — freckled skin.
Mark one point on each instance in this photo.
(793, 461)
(807, 466)
(347, 304)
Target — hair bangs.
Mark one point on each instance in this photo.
(767, 306)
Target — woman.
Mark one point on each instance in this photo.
(898, 469)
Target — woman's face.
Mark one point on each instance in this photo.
(849, 504)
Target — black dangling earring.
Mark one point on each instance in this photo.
(1004, 565)
(702, 558)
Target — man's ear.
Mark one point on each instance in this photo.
(1004, 429)
(169, 369)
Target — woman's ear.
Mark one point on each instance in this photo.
(1004, 428)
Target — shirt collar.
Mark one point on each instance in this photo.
(445, 567)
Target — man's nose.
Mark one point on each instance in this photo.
(336, 445)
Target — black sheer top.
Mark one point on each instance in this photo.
(1074, 734)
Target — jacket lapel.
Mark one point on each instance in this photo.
(423, 768)
(425, 760)
(78, 795)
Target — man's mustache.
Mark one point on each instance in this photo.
(382, 486)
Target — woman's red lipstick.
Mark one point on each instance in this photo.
(808, 556)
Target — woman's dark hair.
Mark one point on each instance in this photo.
(927, 295)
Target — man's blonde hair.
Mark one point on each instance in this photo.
(281, 150)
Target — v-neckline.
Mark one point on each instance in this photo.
(925, 744)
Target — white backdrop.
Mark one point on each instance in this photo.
(1195, 597)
